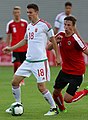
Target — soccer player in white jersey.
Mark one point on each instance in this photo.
(59, 20)
(36, 63)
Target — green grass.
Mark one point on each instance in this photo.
(34, 104)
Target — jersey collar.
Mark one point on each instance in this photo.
(35, 22)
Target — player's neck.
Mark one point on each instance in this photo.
(68, 34)
(35, 20)
(67, 14)
(17, 19)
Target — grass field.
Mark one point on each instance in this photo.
(34, 104)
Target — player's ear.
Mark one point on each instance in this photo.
(37, 12)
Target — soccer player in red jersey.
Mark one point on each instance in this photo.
(15, 30)
(73, 65)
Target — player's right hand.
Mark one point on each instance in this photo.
(6, 50)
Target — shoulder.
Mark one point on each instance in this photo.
(25, 21)
(10, 22)
(80, 42)
(60, 15)
(28, 26)
(76, 37)
(45, 23)
(60, 33)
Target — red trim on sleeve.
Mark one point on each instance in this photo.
(48, 25)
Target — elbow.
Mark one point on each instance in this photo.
(49, 48)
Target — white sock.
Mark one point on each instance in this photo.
(48, 97)
(17, 93)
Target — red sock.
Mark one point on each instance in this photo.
(59, 101)
(78, 95)
(16, 65)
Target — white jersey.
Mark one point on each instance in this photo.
(59, 21)
(37, 35)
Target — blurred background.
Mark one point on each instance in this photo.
(48, 11)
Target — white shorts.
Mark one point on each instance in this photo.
(40, 70)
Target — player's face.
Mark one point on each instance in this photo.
(16, 14)
(68, 10)
(69, 27)
(32, 14)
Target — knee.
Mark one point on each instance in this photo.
(56, 92)
(15, 81)
(41, 88)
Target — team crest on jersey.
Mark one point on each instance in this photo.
(69, 42)
(36, 29)
(22, 24)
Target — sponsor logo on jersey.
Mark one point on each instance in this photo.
(13, 25)
(69, 42)
(22, 24)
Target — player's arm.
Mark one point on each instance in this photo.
(86, 51)
(18, 45)
(55, 47)
(81, 43)
(8, 39)
(49, 46)
(56, 30)
(8, 34)
(56, 24)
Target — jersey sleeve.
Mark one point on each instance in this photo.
(80, 42)
(57, 22)
(50, 33)
(26, 33)
(49, 30)
(8, 29)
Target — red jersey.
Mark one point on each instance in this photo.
(71, 49)
(17, 30)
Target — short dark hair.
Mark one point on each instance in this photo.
(71, 18)
(34, 6)
(68, 4)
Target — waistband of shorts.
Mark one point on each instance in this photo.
(36, 60)
(70, 75)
